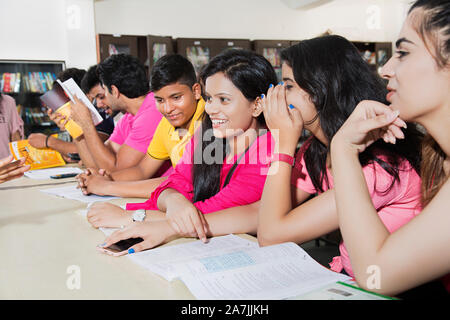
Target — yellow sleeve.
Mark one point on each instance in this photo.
(157, 148)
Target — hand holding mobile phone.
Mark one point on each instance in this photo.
(10, 169)
(13, 164)
(120, 248)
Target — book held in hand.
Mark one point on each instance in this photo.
(36, 158)
(60, 98)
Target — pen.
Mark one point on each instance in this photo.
(65, 175)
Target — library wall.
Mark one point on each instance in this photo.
(358, 20)
(65, 29)
(48, 30)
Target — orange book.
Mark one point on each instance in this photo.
(36, 158)
(71, 126)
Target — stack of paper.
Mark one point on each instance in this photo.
(230, 267)
(43, 174)
(71, 192)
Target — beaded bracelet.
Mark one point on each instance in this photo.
(46, 141)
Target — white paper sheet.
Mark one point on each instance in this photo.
(72, 86)
(43, 174)
(168, 261)
(274, 272)
(71, 192)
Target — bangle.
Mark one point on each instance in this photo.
(46, 141)
(283, 157)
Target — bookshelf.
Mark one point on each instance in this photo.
(109, 44)
(224, 44)
(376, 54)
(271, 49)
(200, 51)
(158, 46)
(26, 81)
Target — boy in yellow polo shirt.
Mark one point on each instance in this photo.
(178, 98)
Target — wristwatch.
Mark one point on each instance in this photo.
(139, 215)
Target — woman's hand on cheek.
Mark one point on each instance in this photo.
(370, 121)
(284, 121)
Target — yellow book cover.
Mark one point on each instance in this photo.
(71, 126)
(36, 158)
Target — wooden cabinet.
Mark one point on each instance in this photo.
(376, 54)
(108, 44)
(158, 46)
(200, 51)
(271, 50)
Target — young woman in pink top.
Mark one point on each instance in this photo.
(419, 82)
(324, 79)
(223, 167)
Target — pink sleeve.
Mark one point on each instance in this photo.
(245, 187)
(144, 127)
(16, 123)
(119, 132)
(180, 179)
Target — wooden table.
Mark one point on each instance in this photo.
(45, 241)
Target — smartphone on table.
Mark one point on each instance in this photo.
(74, 156)
(11, 165)
(120, 248)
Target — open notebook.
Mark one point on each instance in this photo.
(230, 267)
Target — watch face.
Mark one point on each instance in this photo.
(139, 215)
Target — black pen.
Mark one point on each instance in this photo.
(64, 175)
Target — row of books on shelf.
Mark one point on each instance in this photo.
(369, 57)
(10, 82)
(31, 82)
(35, 116)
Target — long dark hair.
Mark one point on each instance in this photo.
(252, 74)
(331, 70)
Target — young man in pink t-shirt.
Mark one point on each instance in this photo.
(127, 90)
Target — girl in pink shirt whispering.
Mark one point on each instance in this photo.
(222, 172)
(324, 79)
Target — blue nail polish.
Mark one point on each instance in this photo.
(271, 85)
(291, 106)
(130, 251)
(262, 96)
(103, 244)
(281, 83)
